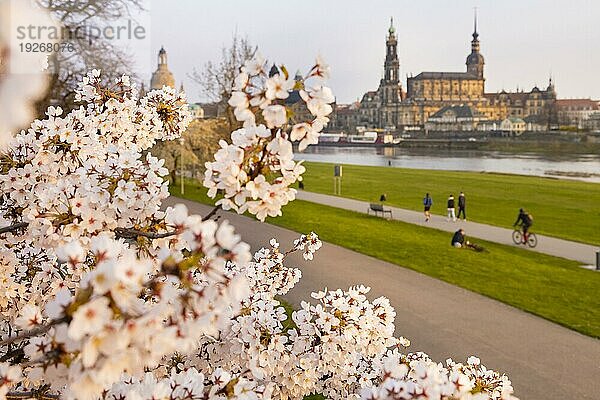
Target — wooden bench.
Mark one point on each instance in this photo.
(378, 208)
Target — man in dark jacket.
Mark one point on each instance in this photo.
(462, 203)
(458, 240)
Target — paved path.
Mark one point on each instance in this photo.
(545, 361)
(583, 253)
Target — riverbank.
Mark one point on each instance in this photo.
(551, 143)
(560, 165)
(561, 208)
(551, 148)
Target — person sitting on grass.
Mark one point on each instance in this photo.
(459, 241)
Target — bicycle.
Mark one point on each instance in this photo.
(518, 238)
(474, 247)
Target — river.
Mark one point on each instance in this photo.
(585, 167)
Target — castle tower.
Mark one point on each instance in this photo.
(475, 59)
(162, 76)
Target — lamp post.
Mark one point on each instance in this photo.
(181, 141)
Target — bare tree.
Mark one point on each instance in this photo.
(216, 78)
(88, 51)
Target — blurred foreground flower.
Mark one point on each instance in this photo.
(22, 76)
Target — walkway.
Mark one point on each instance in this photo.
(583, 253)
(544, 360)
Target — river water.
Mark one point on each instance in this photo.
(585, 167)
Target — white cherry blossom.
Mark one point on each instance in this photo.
(108, 295)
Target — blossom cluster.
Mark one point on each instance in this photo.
(129, 312)
(255, 171)
(416, 376)
(106, 294)
(75, 176)
(190, 384)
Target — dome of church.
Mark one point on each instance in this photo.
(162, 76)
(475, 58)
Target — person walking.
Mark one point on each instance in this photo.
(427, 203)
(462, 203)
(451, 209)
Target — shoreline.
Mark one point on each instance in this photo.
(508, 145)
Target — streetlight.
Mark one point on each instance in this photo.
(181, 141)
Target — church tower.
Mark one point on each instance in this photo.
(390, 83)
(391, 65)
(162, 76)
(475, 59)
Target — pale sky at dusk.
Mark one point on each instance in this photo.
(522, 41)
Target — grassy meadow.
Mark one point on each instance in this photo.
(565, 209)
(551, 287)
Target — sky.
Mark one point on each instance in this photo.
(523, 42)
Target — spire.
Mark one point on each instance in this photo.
(474, 20)
(550, 87)
(162, 56)
(391, 30)
(475, 60)
(475, 41)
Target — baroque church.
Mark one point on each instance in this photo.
(164, 77)
(391, 108)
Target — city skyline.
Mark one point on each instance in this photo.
(522, 45)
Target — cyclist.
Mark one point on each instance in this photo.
(525, 220)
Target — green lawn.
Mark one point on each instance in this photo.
(551, 287)
(561, 208)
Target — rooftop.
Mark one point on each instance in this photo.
(460, 111)
(445, 75)
(578, 103)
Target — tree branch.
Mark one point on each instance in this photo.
(41, 394)
(126, 233)
(211, 213)
(33, 332)
(13, 227)
(14, 353)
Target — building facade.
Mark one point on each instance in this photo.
(593, 122)
(392, 109)
(460, 118)
(574, 112)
